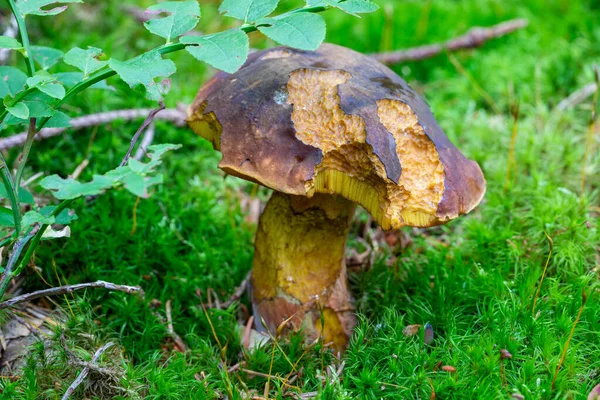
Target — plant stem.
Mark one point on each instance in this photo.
(24, 37)
(12, 261)
(38, 236)
(26, 149)
(13, 195)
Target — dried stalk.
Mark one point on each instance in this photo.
(475, 37)
(141, 129)
(175, 115)
(68, 289)
(85, 371)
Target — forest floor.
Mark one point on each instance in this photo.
(473, 280)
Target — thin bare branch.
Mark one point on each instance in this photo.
(68, 289)
(141, 129)
(146, 141)
(578, 96)
(85, 371)
(175, 115)
(239, 291)
(475, 37)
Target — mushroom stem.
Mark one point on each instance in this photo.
(299, 270)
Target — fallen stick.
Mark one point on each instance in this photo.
(85, 371)
(68, 289)
(577, 97)
(239, 292)
(174, 115)
(475, 37)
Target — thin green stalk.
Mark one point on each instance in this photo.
(26, 149)
(24, 37)
(38, 236)
(13, 196)
(18, 97)
(12, 261)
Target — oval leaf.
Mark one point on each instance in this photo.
(34, 7)
(354, 7)
(19, 110)
(183, 17)
(7, 42)
(12, 81)
(226, 50)
(46, 57)
(248, 10)
(86, 60)
(304, 31)
(142, 71)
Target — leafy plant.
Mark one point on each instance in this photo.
(35, 98)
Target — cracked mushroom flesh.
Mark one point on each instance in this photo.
(327, 130)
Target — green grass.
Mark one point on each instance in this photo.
(473, 280)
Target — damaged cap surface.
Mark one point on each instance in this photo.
(336, 121)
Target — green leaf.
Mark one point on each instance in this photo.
(39, 105)
(58, 120)
(47, 84)
(71, 189)
(354, 7)
(19, 110)
(34, 7)
(182, 17)
(70, 79)
(46, 57)
(33, 217)
(142, 71)
(6, 217)
(86, 60)
(24, 195)
(139, 184)
(248, 10)
(134, 179)
(7, 42)
(304, 31)
(316, 3)
(12, 81)
(65, 217)
(226, 50)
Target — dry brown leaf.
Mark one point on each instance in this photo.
(505, 354)
(449, 368)
(411, 330)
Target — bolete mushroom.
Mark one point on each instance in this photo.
(327, 130)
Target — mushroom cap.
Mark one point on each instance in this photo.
(336, 121)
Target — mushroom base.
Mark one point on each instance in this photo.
(299, 272)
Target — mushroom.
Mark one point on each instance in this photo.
(327, 130)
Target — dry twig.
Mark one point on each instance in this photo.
(577, 97)
(68, 289)
(475, 37)
(175, 115)
(141, 129)
(146, 141)
(85, 371)
(239, 291)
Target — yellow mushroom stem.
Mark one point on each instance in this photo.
(299, 270)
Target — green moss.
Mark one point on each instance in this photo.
(473, 280)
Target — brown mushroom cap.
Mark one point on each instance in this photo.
(336, 121)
